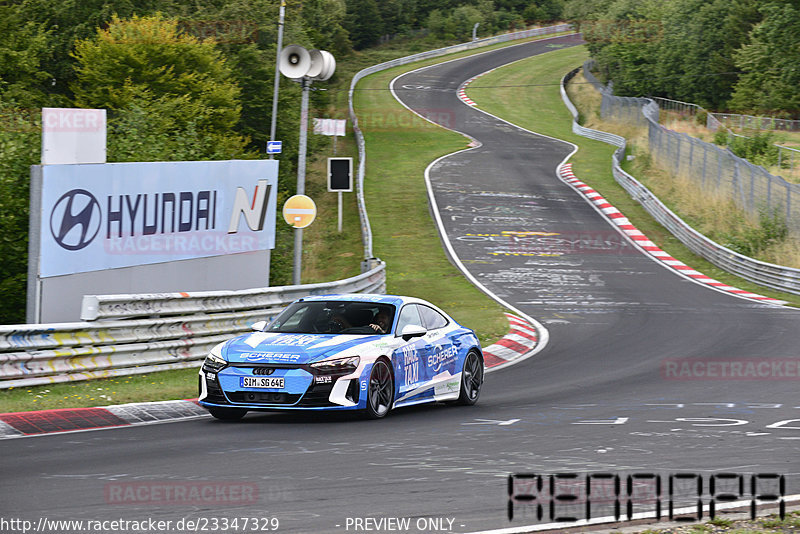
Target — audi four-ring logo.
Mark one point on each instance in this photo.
(75, 219)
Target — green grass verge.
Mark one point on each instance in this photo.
(531, 99)
(771, 524)
(400, 147)
(163, 385)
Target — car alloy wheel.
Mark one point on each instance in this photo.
(380, 392)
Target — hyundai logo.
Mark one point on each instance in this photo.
(75, 219)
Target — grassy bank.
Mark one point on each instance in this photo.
(527, 93)
(770, 524)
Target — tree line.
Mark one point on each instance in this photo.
(738, 55)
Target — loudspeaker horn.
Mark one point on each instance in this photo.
(316, 63)
(295, 61)
(328, 66)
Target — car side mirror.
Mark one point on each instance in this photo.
(258, 326)
(412, 330)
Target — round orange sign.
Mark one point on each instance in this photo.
(299, 211)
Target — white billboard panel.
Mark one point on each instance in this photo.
(73, 135)
(330, 127)
(96, 217)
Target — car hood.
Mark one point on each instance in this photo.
(268, 347)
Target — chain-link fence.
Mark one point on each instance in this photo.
(787, 158)
(714, 168)
(734, 120)
(717, 169)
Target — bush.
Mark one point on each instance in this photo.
(701, 117)
(20, 140)
(757, 148)
(771, 229)
(721, 137)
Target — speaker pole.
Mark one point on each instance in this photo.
(301, 179)
(274, 118)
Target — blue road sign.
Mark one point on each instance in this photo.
(274, 147)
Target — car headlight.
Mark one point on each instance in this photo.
(339, 365)
(214, 361)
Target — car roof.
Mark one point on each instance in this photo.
(395, 300)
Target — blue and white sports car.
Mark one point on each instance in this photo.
(344, 352)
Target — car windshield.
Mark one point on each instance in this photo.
(335, 317)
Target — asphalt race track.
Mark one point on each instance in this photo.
(605, 396)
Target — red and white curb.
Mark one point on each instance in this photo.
(462, 90)
(24, 424)
(521, 339)
(641, 240)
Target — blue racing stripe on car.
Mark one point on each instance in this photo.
(426, 394)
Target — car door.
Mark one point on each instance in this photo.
(409, 358)
(442, 357)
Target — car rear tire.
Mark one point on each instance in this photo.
(227, 414)
(471, 379)
(380, 391)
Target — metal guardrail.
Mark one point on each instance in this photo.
(766, 274)
(362, 208)
(177, 331)
(598, 135)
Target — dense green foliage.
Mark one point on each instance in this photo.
(770, 61)
(171, 96)
(20, 130)
(756, 146)
(737, 54)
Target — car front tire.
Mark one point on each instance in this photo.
(380, 391)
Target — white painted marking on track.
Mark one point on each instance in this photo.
(493, 422)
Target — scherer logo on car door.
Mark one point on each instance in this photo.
(123, 220)
(441, 356)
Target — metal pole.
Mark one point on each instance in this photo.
(340, 210)
(274, 118)
(301, 180)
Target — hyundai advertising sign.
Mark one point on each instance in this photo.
(107, 216)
